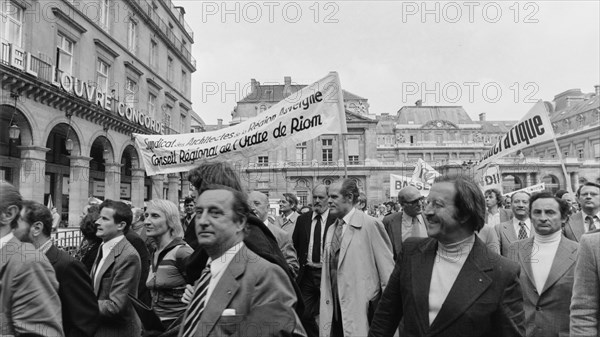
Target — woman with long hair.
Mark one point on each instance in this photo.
(166, 279)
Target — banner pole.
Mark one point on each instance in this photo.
(342, 111)
(564, 168)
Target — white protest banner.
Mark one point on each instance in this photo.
(531, 189)
(424, 172)
(534, 128)
(491, 179)
(399, 182)
(304, 115)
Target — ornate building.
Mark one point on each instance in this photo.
(444, 136)
(78, 78)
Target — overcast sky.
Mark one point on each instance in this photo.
(493, 57)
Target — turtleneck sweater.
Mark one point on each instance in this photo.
(448, 262)
(545, 247)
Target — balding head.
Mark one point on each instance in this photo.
(410, 197)
(259, 204)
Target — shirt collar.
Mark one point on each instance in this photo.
(110, 244)
(324, 215)
(527, 222)
(4, 240)
(349, 215)
(44, 248)
(218, 265)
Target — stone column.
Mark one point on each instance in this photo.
(173, 181)
(574, 181)
(112, 181)
(32, 173)
(529, 180)
(79, 187)
(157, 186)
(137, 187)
(185, 185)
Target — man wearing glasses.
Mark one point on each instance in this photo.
(409, 222)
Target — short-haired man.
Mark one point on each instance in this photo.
(585, 303)
(572, 201)
(451, 284)
(79, 304)
(259, 205)
(408, 223)
(309, 240)
(362, 202)
(357, 263)
(188, 222)
(495, 214)
(588, 219)
(547, 263)
(517, 228)
(29, 301)
(116, 272)
(289, 216)
(235, 279)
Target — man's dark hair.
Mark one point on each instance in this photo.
(589, 183)
(122, 212)
(469, 200)
(187, 200)
(563, 205)
(10, 196)
(214, 173)
(240, 201)
(349, 188)
(88, 226)
(497, 193)
(560, 193)
(292, 199)
(34, 211)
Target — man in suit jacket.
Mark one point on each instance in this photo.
(408, 223)
(116, 273)
(517, 228)
(259, 205)
(309, 239)
(547, 263)
(289, 216)
(585, 303)
(188, 223)
(451, 284)
(588, 219)
(29, 302)
(79, 304)
(236, 281)
(357, 263)
(495, 213)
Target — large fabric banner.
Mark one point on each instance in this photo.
(534, 128)
(531, 189)
(424, 172)
(399, 182)
(313, 111)
(491, 179)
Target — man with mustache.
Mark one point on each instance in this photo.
(451, 284)
(517, 228)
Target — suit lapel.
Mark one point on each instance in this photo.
(355, 223)
(525, 258)
(397, 230)
(509, 232)
(223, 293)
(563, 260)
(470, 283)
(110, 259)
(421, 269)
(577, 226)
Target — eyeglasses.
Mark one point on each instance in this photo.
(414, 202)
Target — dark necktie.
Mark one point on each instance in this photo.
(522, 231)
(96, 263)
(196, 307)
(316, 253)
(589, 220)
(333, 265)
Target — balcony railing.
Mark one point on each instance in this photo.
(68, 239)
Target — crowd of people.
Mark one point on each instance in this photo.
(458, 262)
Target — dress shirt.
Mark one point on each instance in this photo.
(5, 239)
(596, 219)
(517, 228)
(106, 248)
(493, 219)
(218, 266)
(313, 223)
(407, 230)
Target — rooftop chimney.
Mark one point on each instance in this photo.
(419, 103)
(482, 117)
(220, 122)
(287, 88)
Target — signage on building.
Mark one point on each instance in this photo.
(125, 191)
(98, 188)
(22, 60)
(314, 110)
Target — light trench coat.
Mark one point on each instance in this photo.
(365, 264)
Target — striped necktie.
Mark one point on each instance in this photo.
(590, 222)
(196, 307)
(522, 231)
